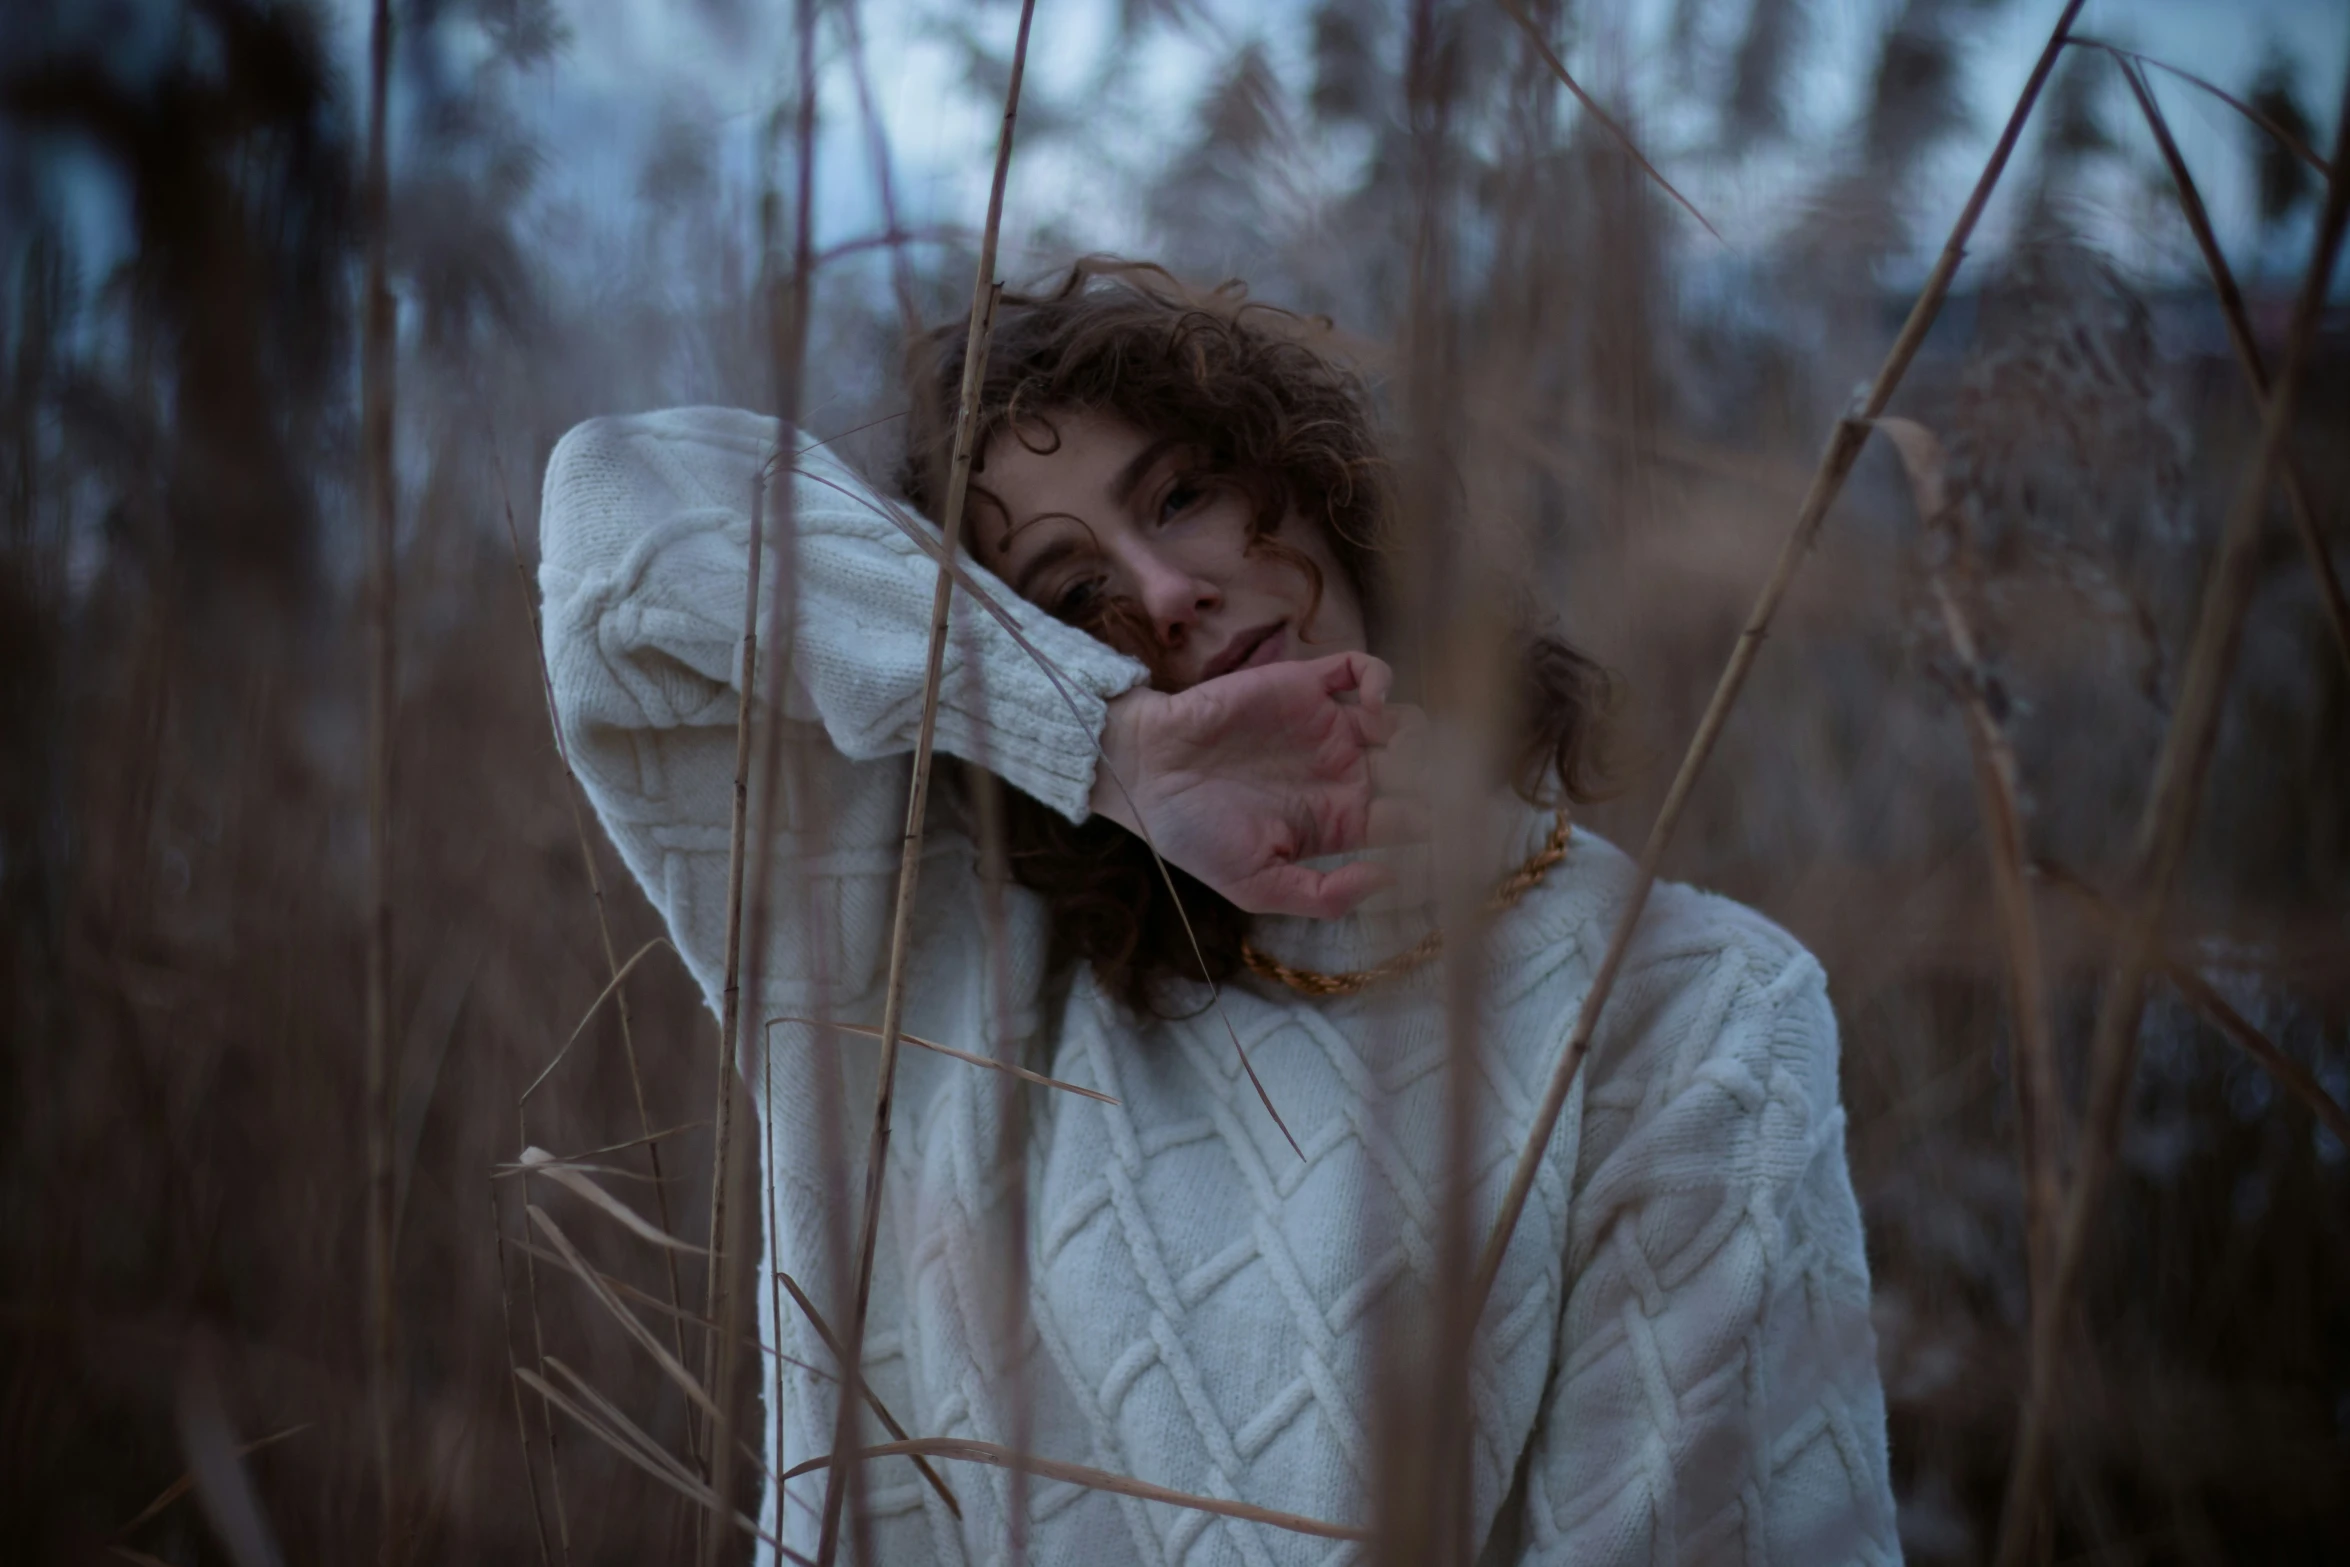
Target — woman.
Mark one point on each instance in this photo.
(1177, 507)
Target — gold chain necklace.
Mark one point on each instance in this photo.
(1310, 982)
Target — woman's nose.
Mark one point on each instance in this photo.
(1173, 597)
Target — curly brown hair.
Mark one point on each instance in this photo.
(1264, 395)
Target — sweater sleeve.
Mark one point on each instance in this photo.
(645, 530)
(1716, 1396)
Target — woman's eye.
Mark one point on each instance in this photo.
(1181, 496)
(1078, 598)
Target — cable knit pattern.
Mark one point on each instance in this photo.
(1676, 1364)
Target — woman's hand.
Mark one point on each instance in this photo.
(1240, 777)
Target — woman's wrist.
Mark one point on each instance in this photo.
(1118, 771)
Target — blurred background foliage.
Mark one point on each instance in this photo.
(182, 777)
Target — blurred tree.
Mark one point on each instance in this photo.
(32, 572)
(462, 182)
(523, 32)
(2073, 144)
(1858, 215)
(2283, 180)
(1349, 84)
(1767, 52)
(1213, 201)
(231, 151)
(1914, 94)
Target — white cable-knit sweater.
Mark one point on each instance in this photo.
(1676, 1363)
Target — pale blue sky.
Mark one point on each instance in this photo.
(630, 61)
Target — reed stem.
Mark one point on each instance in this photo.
(984, 290)
(614, 970)
(1844, 447)
(2247, 349)
(2163, 832)
(376, 410)
(789, 325)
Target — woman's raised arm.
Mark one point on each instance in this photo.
(645, 532)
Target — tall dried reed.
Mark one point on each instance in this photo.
(383, 691)
(1836, 466)
(985, 288)
(2164, 828)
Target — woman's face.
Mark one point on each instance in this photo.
(1110, 513)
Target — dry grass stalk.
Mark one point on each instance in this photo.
(572, 1178)
(2231, 304)
(885, 185)
(618, 1422)
(530, 1473)
(872, 1399)
(670, 1366)
(1591, 106)
(1009, 1069)
(541, 1161)
(625, 1143)
(2039, 1097)
(1009, 1180)
(1844, 448)
(767, 1169)
(1011, 1131)
(2295, 1078)
(2198, 993)
(984, 290)
(538, 1331)
(610, 990)
(789, 328)
(1215, 994)
(376, 447)
(216, 1469)
(2281, 136)
(650, 1459)
(538, 1342)
(595, 880)
(730, 1014)
(2164, 829)
(1423, 1493)
(646, 1298)
(1078, 1474)
(180, 1487)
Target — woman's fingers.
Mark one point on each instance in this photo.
(1257, 771)
(1358, 675)
(1373, 680)
(1380, 725)
(1320, 895)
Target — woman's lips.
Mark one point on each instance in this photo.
(1249, 650)
(1267, 651)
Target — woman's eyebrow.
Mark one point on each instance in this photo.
(1138, 467)
(1060, 549)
